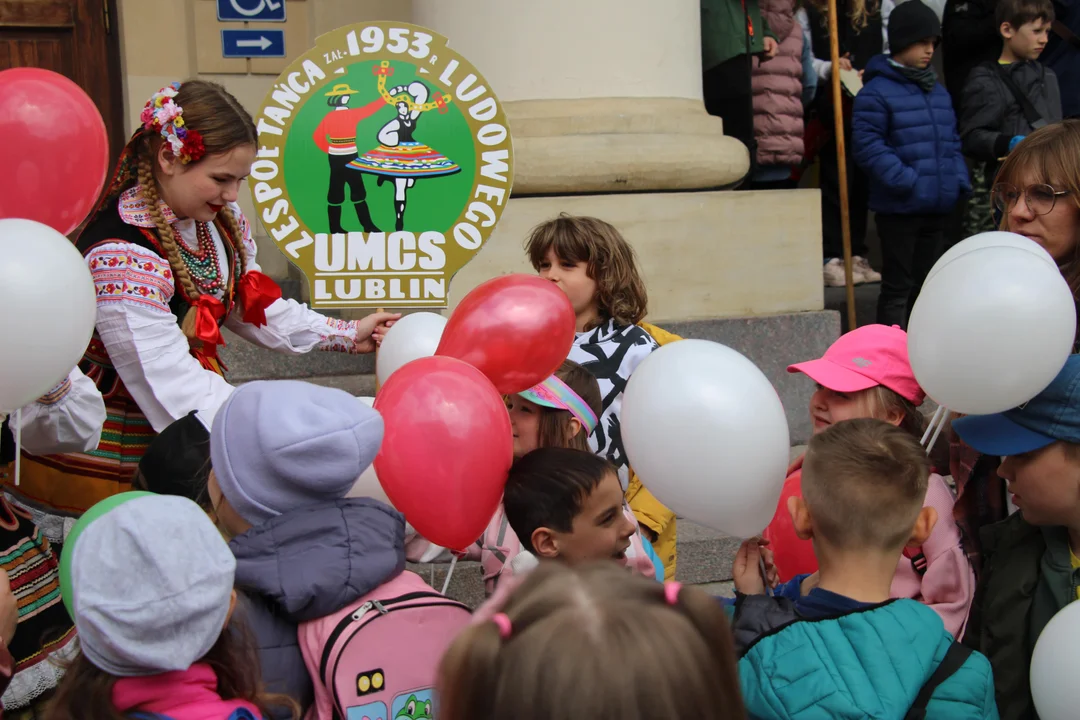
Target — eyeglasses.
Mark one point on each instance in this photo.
(1040, 198)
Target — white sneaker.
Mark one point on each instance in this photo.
(862, 272)
(834, 273)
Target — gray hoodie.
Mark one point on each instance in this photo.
(308, 563)
(990, 116)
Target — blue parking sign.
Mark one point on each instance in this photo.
(251, 10)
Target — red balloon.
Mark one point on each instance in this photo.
(53, 149)
(516, 329)
(447, 448)
(792, 555)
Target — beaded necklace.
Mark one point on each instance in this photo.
(202, 263)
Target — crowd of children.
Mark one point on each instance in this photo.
(245, 583)
(922, 158)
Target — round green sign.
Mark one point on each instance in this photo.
(384, 164)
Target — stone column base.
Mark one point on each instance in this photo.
(611, 145)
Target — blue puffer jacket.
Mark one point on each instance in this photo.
(905, 140)
(868, 664)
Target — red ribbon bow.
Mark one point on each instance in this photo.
(208, 312)
(257, 292)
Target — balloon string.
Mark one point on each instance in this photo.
(944, 419)
(18, 443)
(449, 574)
(933, 421)
(764, 574)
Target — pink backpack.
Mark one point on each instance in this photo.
(377, 658)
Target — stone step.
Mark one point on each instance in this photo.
(772, 342)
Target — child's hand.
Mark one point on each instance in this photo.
(771, 572)
(746, 570)
(366, 340)
(379, 333)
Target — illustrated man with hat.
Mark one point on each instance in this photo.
(336, 136)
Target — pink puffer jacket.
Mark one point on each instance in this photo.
(777, 85)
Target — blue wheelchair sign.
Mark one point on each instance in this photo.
(251, 10)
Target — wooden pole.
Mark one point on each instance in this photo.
(841, 159)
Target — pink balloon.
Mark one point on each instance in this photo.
(53, 149)
(446, 450)
(516, 329)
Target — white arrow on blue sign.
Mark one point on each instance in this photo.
(251, 10)
(252, 43)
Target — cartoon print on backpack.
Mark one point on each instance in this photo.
(414, 705)
(377, 658)
(371, 711)
(417, 706)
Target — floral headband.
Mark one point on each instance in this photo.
(165, 116)
(554, 393)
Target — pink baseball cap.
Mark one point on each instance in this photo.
(864, 358)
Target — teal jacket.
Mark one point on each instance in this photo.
(868, 664)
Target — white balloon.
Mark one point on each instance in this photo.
(997, 238)
(410, 338)
(705, 431)
(991, 328)
(49, 307)
(1053, 666)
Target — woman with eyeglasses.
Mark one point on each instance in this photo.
(1036, 194)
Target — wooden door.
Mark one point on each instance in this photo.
(76, 38)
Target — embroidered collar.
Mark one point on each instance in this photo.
(134, 209)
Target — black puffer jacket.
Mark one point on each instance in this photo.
(990, 116)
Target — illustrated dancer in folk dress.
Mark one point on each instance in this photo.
(399, 157)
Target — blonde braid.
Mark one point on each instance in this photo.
(168, 241)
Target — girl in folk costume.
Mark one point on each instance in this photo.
(173, 260)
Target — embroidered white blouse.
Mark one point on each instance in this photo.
(144, 341)
(69, 418)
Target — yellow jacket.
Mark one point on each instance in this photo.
(647, 509)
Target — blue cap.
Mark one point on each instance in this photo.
(1052, 415)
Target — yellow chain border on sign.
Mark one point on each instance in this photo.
(384, 71)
